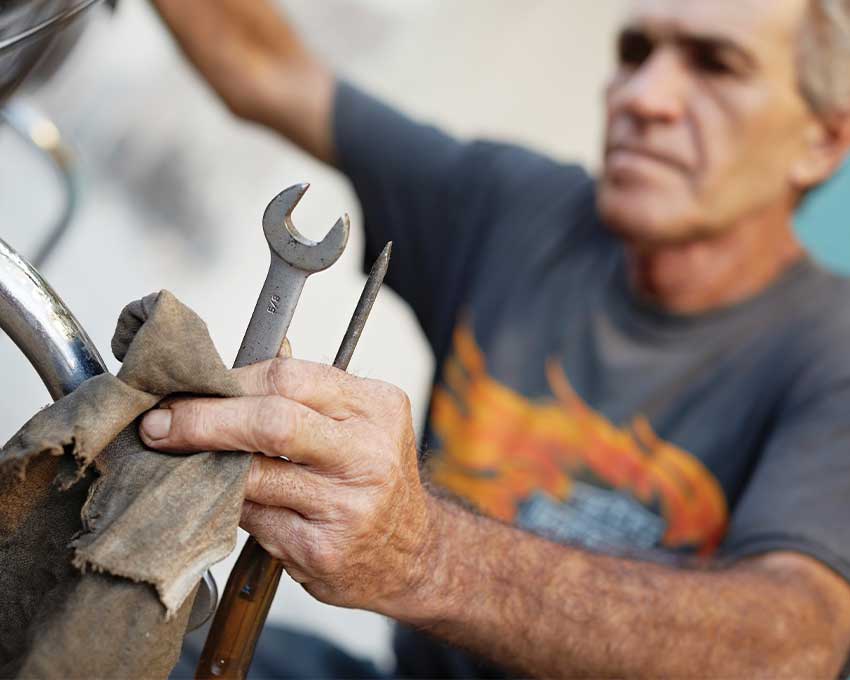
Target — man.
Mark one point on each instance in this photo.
(645, 374)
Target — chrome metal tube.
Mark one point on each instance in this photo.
(46, 26)
(42, 134)
(40, 324)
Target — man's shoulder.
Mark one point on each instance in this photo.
(817, 312)
(373, 137)
(823, 301)
(554, 200)
(526, 171)
(536, 205)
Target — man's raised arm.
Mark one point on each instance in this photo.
(257, 64)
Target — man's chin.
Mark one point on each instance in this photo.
(643, 216)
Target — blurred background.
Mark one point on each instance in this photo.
(173, 187)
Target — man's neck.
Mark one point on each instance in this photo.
(714, 272)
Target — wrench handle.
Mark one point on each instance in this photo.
(272, 314)
(251, 588)
(249, 592)
(247, 598)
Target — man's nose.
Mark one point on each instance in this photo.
(654, 92)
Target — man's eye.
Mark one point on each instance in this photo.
(634, 49)
(709, 62)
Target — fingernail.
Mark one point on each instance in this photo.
(157, 423)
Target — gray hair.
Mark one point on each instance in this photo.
(824, 57)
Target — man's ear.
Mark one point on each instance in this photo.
(826, 144)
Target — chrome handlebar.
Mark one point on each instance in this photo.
(44, 329)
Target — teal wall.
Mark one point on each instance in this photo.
(824, 224)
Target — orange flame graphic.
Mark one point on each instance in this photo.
(499, 448)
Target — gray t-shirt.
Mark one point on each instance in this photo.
(566, 405)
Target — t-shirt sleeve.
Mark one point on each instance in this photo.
(434, 196)
(798, 497)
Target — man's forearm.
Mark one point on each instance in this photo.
(348, 516)
(254, 60)
(550, 610)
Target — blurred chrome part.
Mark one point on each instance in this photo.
(63, 355)
(36, 36)
(205, 602)
(43, 328)
(42, 134)
(46, 26)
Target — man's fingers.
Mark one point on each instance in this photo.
(285, 351)
(270, 424)
(281, 532)
(280, 483)
(323, 388)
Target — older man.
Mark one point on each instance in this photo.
(645, 375)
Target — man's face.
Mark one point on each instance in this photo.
(705, 120)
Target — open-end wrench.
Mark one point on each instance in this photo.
(253, 581)
(294, 258)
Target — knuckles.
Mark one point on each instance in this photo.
(281, 375)
(368, 397)
(259, 479)
(273, 425)
(393, 399)
(189, 424)
(323, 558)
(392, 408)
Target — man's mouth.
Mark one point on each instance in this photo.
(633, 157)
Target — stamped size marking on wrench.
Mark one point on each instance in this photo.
(294, 258)
(272, 308)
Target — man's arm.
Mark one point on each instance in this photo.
(256, 63)
(437, 198)
(352, 522)
(553, 611)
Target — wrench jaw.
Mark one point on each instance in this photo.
(279, 213)
(319, 257)
(290, 245)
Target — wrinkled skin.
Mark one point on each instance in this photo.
(709, 147)
(345, 513)
(706, 126)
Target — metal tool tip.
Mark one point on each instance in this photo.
(299, 190)
(342, 225)
(382, 263)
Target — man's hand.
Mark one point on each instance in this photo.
(349, 518)
(253, 59)
(346, 512)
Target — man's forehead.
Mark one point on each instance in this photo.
(752, 23)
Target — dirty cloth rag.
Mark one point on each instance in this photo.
(103, 541)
